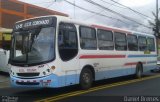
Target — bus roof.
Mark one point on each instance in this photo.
(96, 25)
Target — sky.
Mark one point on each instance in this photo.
(145, 7)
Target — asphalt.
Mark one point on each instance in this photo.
(146, 88)
(4, 80)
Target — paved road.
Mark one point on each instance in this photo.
(4, 80)
(107, 90)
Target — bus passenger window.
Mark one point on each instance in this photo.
(132, 42)
(88, 38)
(120, 41)
(105, 40)
(67, 41)
(151, 44)
(142, 43)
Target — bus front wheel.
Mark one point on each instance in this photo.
(139, 70)
(86, 78)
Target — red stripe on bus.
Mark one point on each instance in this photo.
(101, 56)
(110, 29)
(132, 63)
(144, 62)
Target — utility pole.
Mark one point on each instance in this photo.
(157, 27)
(74, 10)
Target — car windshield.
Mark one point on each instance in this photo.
(33, 46)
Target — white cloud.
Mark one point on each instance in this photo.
(143, 6)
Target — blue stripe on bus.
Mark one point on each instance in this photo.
(66, 80)
(56, 81)
(152, 62)
(133, 56)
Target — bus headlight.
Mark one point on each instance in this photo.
(44, 73)
(53, 67)
(49, 70)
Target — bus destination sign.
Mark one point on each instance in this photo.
(34, 23)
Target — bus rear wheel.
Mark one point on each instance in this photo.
(86, 78)
(139, 70)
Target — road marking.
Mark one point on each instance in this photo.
(75, 93)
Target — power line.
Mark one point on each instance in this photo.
(114, 12)
(50, 5)
(93, 11)
(99, 12)
(94, 15)
(113, 4)
(130, 9)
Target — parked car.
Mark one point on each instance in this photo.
(158, 65)
(158, 61)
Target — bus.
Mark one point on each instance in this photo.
(57, 51)
(5, 42)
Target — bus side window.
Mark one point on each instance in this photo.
(120, 41)
(88, 38)
(151, 44)
(132, 42)
(67, 41)
(142, 43)
(105, 40)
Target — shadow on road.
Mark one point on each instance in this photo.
(4, 74)
(31, 94)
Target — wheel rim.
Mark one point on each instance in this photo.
(139, 73)
(86, 78)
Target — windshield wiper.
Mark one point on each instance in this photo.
(34, 35)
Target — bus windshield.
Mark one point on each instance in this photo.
(33, 46)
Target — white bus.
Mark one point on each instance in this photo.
(5, 42)
(58, 51)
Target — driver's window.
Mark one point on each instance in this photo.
(67, 41)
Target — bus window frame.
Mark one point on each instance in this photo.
(136, 42)
(105, 40)
(125, 41)
(80, 36)
(140, 36)
(68, 31)
(153, 42)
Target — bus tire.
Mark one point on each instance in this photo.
(86, 78)
(139, 70)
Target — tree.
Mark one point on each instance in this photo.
(155, 25)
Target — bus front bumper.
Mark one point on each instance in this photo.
(47, 81)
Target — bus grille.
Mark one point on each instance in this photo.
(28, 74)
(27, 83)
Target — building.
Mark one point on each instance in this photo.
(13, 10)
